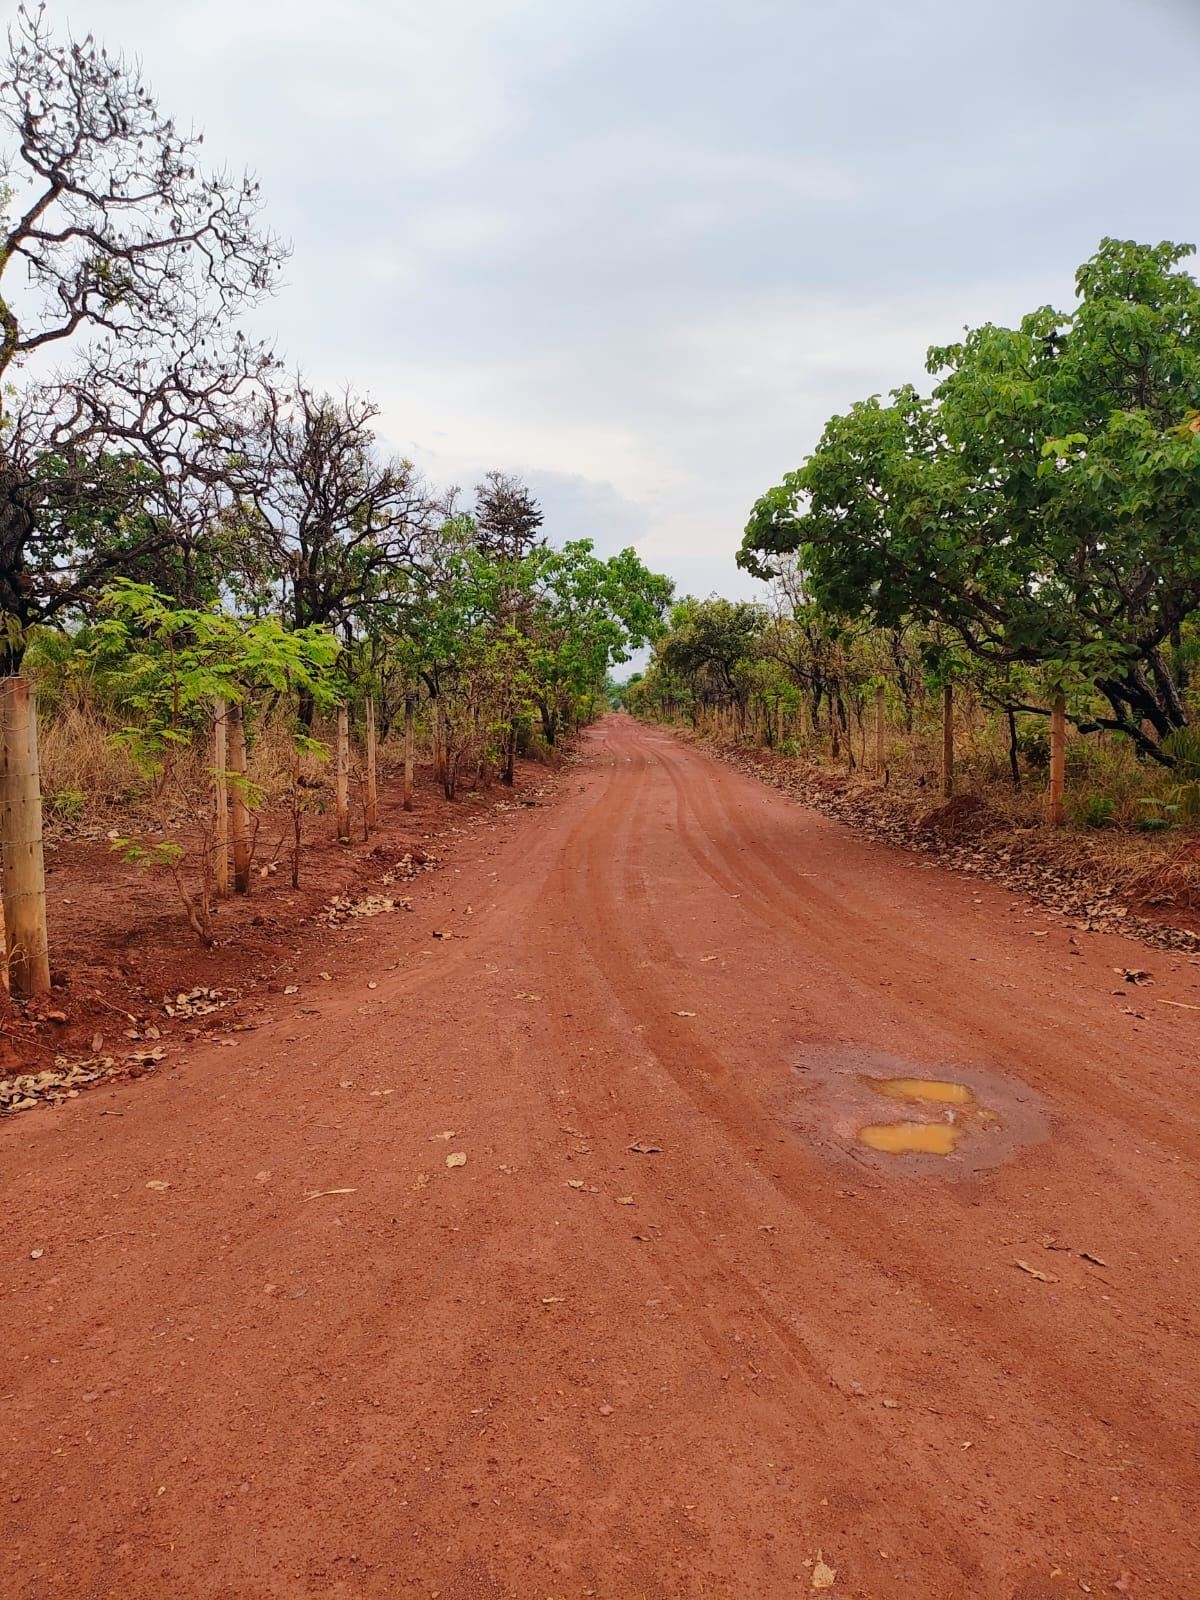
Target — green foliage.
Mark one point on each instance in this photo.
(163, 665)
(1042, 505)
(1094, 811)
(66, 805)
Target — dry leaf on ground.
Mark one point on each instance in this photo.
(824, 1576)
(1042, 1277)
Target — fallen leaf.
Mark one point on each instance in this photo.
(319, 1193)
(646, 1149)
(553, 1300)
(891, 1405)
(458, 1159)
(1043, 1277)
(147, 1058)
(291, 988)
(606, 1411)
(158, 1183)
(1095, 1260)
(326, 977)
(574, 1183)
(824, 1575)
(684, 1013)
(624, 1199)
(449, 1134)
(36, 1255)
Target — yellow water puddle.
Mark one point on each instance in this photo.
(911, 1138)
(938, 1090)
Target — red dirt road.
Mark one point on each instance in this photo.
(727, 1368)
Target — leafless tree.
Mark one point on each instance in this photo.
(123, 252)
(334, 522)
(507, 517)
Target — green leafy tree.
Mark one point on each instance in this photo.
(1042, 504)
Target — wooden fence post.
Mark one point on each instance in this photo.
(879, 728)
(1058, 761)
(409, 714)
(220, 802)
(948, 740)
(239, 810)
(343, 775)
(24, 870)
(372, 807)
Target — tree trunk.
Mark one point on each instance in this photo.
(220, 802)
(343, 775)
(297, 817)
(510, 754)
(24, 872)
(880, 727)
(948, 740)
(442, 725)
(239, 809)
(409, 715)
(1014, 754)
(372, 806)
(1058, 765)
(306, 709)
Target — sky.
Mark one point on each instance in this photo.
(637, 251)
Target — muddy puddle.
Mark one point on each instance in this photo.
(903, 1117)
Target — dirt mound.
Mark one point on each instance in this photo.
(964, 816)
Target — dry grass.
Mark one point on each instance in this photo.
(85, 773)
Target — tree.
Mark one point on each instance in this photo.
(507, 518)
(133, 259)
(588, 615)
(328, 527)
(164, 667)
(709, 640)
(1043, 503)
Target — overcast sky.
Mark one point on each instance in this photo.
(637, 251)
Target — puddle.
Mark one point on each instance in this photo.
(939, 1090)
(911, 1138)
(951, 1118)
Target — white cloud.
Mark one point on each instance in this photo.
(640, 250)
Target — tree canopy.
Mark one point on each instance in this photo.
(1041, 504)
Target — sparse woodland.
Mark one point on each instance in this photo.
(218, 586)
(994, 587)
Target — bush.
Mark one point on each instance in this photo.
(1094, 811)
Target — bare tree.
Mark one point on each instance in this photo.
(120, 249)
(507, 517)
(335, 523)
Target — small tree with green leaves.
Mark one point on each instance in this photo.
(164, 667)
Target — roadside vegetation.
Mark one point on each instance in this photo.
(987, 598)
(222, 590)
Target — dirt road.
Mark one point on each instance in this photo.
(752, 1358)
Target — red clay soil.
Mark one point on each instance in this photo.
(669, 1330)
(120, 943)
